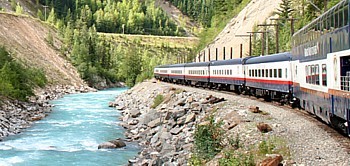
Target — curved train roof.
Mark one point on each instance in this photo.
(177, 65)
(286, 56)
(226, 62)
(197, 64)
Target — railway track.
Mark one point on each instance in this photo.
(342, 139)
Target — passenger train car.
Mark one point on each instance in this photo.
(314, 76)
(227, 74)
(321, 64)
(269, 76)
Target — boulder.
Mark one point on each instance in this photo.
(112, 104)
(263, 127)
(134, 113)
(190, 118)
(254, 109)
(154, 123)
(118, 143)
(106, 145)
(120, 108)
(190, 99)
(176, 130)
(272, 160)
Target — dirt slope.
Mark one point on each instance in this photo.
(25, 38)
(175, 14)
(256, 12)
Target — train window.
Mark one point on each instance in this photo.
(324, 75)
(286, 72)
(250, 73)
(279, 73)
(256, 72)
(259, 72)
(345, 15)
(317, 74)
(231, 72)
(262, 73)
(270, 72)
(266, 72)
(336, 19)
(275, 73)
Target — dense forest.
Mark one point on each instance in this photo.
(114, 16)
(81, 24)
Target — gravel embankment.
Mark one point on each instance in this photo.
(166, 132)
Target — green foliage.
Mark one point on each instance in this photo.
(13, 5)
(16, 80)
(236, 142)
(208, 139)
(233, 158)
(19, 9)
(114, 16)
(40, 15)
(266, 147)
(49, 38)
(159, 99)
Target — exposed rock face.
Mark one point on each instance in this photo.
(166, 132)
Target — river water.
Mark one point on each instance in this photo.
(70, 135)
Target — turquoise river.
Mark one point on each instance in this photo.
(71, 134)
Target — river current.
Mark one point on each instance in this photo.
(71, 134)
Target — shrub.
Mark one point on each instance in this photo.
(235, 158)
(208, 139)
(16, 80)
(159, 99)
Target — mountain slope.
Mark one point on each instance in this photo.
(26, 39)
(256, 12)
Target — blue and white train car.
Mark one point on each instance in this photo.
(161, 73)
(197, 73)
(269, 76)
(227, 74)
(176, 73)
(321, 65)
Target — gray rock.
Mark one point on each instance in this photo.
(118, 143)
(120, 108)
(106, 145)
(190, 118)
(154, 123)
(134, 113)
(176, 130)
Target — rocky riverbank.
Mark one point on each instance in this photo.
(17, 115)
(267, 133)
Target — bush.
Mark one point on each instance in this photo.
(232, 158)
(16, 80)
(208, 138)
(159, 99)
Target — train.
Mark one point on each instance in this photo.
(314, 75)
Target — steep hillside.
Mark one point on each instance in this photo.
(256, 12)
(29, 6)
(26, 39)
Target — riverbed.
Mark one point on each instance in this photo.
(70, 134)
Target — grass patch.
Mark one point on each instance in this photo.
(159, 99)
(249, 156)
